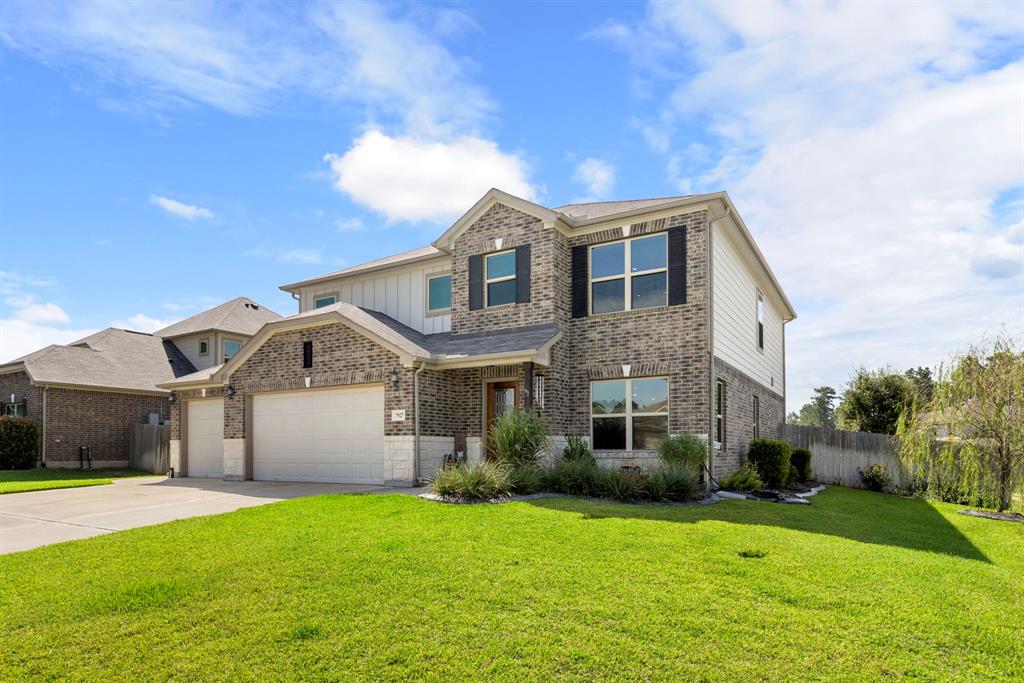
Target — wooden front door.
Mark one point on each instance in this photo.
(501, 397)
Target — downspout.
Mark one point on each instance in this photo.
(416, 423)
(712, 380)
(42, 449)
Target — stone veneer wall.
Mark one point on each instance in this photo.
(740, 390)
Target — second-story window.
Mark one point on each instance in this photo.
(760, 321)
(439, 293)
(204, 347)
(500, 278)
(629, 275)
(326, 300)
(231, 347)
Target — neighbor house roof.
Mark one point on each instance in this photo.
(239, 316)
(110, 359)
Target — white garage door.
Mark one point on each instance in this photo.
(205, 438)
(332, 435)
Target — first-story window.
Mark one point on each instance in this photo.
(629, 414)
(720, 411)
(15, 410)
(326, 300)
(231, 347)
(757, 416)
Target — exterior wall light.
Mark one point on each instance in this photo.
(230, 391)
(394, 378)
(173, 398)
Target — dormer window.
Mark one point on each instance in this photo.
(500, 278)
(231, 347)
(204, 347)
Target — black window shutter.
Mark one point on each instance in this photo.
(476, 282)
(523, 274)
(579, 281)
(677, 265)
(307, 354)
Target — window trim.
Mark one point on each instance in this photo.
(757, 417)
(505, 278)
(204, 340)
(223, 350)
(720, 411)
(427, 277)
(759, 305)
(21, 406)
(629, 414)
(325, 295)
(626, 275)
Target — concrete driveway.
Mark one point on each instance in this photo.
(30, 520)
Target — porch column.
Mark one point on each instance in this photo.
(527, 386)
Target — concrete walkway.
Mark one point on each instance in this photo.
(37, 518)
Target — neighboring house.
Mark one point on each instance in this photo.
(88, 393)
(618, 321)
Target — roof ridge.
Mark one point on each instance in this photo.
(623, 201)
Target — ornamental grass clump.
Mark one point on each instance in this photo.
(575, 478)
(518, 438)
(669, 483)
(745, 478)
(685, 450)
(578, 450)
(478, 481)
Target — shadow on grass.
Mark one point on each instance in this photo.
(848, 513)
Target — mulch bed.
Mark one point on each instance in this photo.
(1000, 516)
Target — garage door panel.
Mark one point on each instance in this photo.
(205, 439)
(332, 435)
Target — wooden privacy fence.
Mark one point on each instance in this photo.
(836, 455)
(150, 448)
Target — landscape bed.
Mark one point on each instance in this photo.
(859, 586)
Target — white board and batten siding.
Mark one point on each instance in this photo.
(735, 315)
(397, 292)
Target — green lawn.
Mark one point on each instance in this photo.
(19, 481)
(858, 586)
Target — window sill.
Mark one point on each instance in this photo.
(719, 446)
(436, 313)
(488, 307)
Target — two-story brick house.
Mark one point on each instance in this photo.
(618, 321)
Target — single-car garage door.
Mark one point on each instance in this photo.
(205, 439)
(330, 435)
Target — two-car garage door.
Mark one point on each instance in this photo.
(331, 435)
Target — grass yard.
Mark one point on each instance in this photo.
(19, 481)
(859, 586)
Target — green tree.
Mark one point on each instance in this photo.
(971, 434)
(819, 412)
(874, 400)
(923, 381)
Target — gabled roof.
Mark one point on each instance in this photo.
(411, 346)
(402, 258)
(238, 316)
(110, 359)
(592, 210)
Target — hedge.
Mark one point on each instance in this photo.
(19, 443)
(771, 458)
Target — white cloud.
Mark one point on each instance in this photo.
(42, 313)
(350, 225)
(868, 170)
(19, 337)
(301, 256)
(596, 175)
(140, 322)
(175, 307)
(409, 179)
(189, 212)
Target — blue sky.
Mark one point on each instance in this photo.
(159, 158)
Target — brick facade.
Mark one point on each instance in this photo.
(740, 390)
(81, 417)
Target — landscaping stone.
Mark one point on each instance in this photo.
(786, 497)
(1000, 516)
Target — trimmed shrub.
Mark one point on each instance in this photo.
(669, 483)
(794, 475)
(19, 443)
(771, 458)
(479, 481)
(745, 478)
(625, 487)
(801, 460)
(576, 478)
(578, 450)
(875, 477)
(518, 438)
(685, 449)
